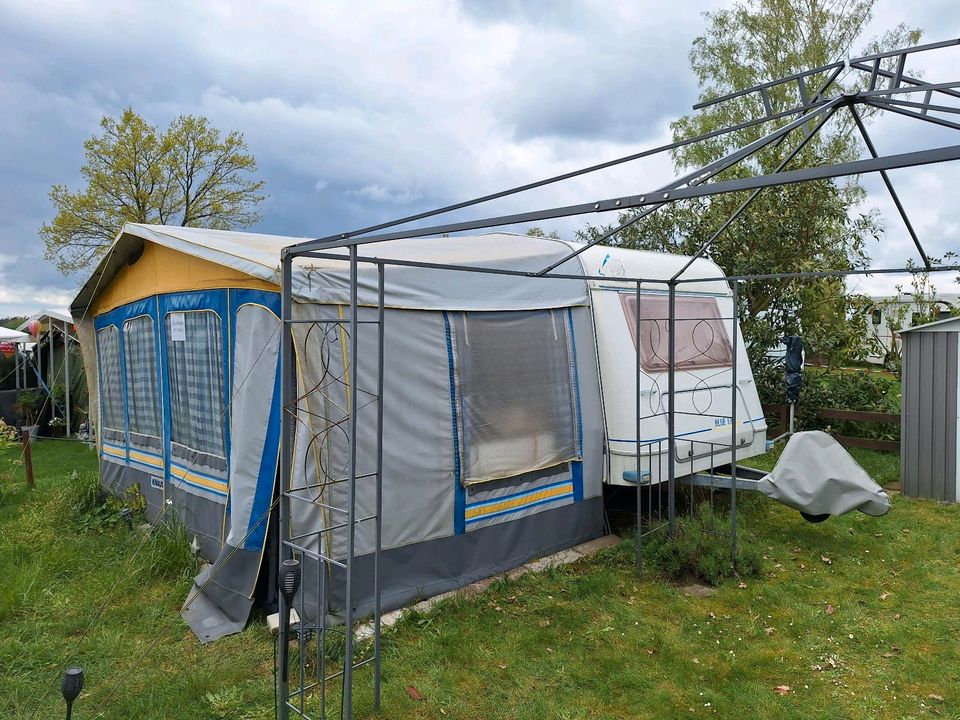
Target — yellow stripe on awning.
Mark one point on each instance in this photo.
(210, 484)
(519, 502)
(147, 459)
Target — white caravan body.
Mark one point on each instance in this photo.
(704, 382)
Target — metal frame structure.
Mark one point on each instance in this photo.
(879, 87)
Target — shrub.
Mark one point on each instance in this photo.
(699, 549)
(841, 389)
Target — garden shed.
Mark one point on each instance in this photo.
(930, 418)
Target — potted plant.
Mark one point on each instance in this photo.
(27, 405)
(58, 426)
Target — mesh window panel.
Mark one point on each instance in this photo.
(195, 368)
(111, 381)
(515, 378)
(143, 391)
(702, 339)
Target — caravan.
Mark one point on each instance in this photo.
(508, 400)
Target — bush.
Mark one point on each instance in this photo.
(699, 549)
(840, 389)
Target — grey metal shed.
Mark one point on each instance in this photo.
(930, 419)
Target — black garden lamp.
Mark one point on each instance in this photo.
(289, 584)
(70, 687)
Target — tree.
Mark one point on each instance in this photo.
(186, 175)
(537, 231)
(902, 311)
(803, 227)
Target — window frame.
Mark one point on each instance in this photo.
(158, 394)
(569, 449)
(650, 361)
(205, 456)
(121, 384)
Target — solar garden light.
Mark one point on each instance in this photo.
(289, 584)
(126, 514)
(289, 581)
(70, 687)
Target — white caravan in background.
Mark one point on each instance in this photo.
(704, 367)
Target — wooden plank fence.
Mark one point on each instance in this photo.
(783, 412)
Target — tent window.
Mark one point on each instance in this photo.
(195, 368)
(111, 383)
(702, 340)
(517, 393)
(143, 392)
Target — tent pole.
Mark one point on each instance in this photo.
(734, 322)
(51, 376)
(671, 414)
(66, 371)
(351, 497)
(639, 468)
(286, 430)
(16, 364)
(379, 510)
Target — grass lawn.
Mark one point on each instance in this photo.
(859, 616)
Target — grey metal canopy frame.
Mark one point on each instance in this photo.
(882, 83)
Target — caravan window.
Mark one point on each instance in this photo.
(143, 392)
(195, 372)
(702, 340)
(517, 393)
(111, 384)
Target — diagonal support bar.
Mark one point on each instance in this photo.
(885, 105)
(819, 172)
(698, 177)
(753, 196)
(886, 181)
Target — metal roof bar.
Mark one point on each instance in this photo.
(819, 172)
(893, 193)
(884, 105)
(753, 196)
(856, 63)
(700, 176)
(349, 239)
(813, 274)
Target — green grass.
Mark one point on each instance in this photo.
(590, 640)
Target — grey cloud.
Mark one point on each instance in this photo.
(356, 113)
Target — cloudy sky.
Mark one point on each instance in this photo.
(363, 111)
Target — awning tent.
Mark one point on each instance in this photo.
(180, 331)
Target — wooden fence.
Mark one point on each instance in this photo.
(783, 411)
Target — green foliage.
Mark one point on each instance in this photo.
(792, 228)
(166, 554)
(27, 405)
(9, 436)
(701, 548)
(835, 389)
(188, 174)
(587, 640)
(921, 307)
(536, 231)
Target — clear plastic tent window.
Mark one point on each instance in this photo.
(111, 382)
(517, 392)
(143, 392)
(195, 367)
(702, 340)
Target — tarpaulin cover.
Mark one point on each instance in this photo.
(815, 475)
(794, 367)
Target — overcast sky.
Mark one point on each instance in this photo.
(359, 112)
